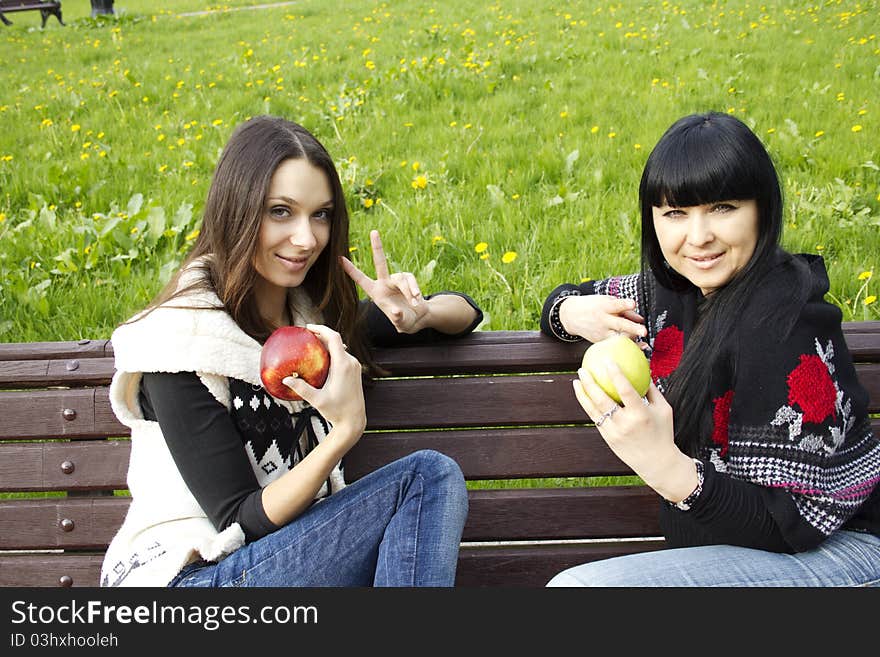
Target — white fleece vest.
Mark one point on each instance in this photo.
(165, 528)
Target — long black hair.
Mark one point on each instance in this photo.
(702, 159)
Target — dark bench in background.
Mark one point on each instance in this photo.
(500, 403)
(46, 9)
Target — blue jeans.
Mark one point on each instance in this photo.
(400, 525)
(846, 558)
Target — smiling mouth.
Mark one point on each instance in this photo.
(293, 263)
(704, 262)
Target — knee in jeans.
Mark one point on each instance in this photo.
(436, 465)
(432, 462)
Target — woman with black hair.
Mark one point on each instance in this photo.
(754, 432)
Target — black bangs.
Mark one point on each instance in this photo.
(701, 166)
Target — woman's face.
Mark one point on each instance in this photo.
(708, 244)
(296, 224)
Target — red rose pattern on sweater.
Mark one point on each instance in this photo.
(811, 389)
(666, 354)
(721, 421)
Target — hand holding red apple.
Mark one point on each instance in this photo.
(293, 351)
(340, 400)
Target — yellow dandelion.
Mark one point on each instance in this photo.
(563, 115)
(594, 129)
(612, 135)
(819, 133)
(870, 299)
(508, 257)
(819, 247)
(415, 166)
(586, 279)
(485, 256)
(188, 163)
(419, 182)
(368, 203)
(482, 246)
(217, 122)
(75, 127)
(866, 275)
(856, 128)
(2, 217)
(352, 249)
(192, 235)
(437, 239)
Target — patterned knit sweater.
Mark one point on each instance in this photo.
(790, 456)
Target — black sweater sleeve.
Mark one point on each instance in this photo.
(207, 449)
(381, 332)
(728, 511)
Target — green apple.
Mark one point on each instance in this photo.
(629, 358)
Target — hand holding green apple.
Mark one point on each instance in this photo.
(621, 350)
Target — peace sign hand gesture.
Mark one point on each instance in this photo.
(396, 295)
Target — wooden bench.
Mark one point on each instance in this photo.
(500, 403)
(46, 9)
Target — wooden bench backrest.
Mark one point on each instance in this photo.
(500, 403)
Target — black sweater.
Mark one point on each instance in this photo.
(790, 455)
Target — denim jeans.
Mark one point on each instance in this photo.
(400, 525)
(846, 558)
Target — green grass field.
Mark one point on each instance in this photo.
(496, 146)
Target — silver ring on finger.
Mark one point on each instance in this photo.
(606, 415)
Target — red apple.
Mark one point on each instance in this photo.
(293, 350)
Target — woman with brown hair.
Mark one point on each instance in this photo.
(231, 486)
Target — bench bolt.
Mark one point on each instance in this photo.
(66, 581)
(67, 467)
(72, 365)
(67, 525)
(69, 414)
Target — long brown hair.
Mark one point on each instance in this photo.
(229, 234)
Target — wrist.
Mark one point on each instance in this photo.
(677, 479)
(427, 318)
(344, 434)
(559, 318)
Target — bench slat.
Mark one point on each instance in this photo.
(495, 454)
(504, 565)
(616, 511)
(478, 401)
(48, 373)
(60, 466)
(55, 350)
(481, 352)
(562, 513)
(534, 565)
